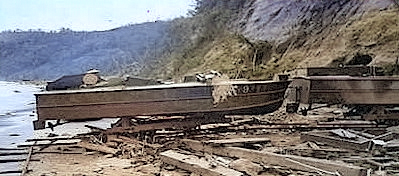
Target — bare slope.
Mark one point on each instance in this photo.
(263, 37)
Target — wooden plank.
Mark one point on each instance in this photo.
(337, 142)
(178, 123)
(53, 138)
(12, 149)
(237, 141)
(25, 168)
(13, 153)
(196, 165)
(11, 172)
(290, 161)
(15, 160)
(48, 143)
(122, 139)
(100, 148)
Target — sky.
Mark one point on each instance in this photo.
(86, 15)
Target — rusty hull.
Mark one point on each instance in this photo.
(347, 90)
(256, 97)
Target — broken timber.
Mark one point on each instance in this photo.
(196, 165)
(335, 141)
(100, 148)
(290, 161)
(237, 141)
(177, 123)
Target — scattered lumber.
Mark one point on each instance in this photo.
(96, 147)
(196, 165)
(290, 161)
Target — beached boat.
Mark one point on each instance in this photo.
(226, 98)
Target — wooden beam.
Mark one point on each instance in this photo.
(54, 138)
(12, 149)
(290, 161)
(13, 153)
(237, 141)
(11, 172)
(335, 141)
(48, 143)
(122, 139)
(15, 160)
(196, 165)
(26, 165)
(100, 148)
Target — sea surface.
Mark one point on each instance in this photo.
(17, 106)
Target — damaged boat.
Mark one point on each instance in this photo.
(224, 97)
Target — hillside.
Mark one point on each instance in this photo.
(252, 39)
(256, 39)
(48, 55)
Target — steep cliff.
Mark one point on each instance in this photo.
(316, 33)
(262, 37)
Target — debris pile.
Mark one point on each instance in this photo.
(247, 145)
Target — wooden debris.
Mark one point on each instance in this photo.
(25, 168)
(246, 166)
(94, 128)
(12, 149)
(48, 143)
(196, 165)
(122, 139)
(360, 145)
(290, 161)
(100, 148)
(13, 153)
(237, 141)
(54, 138)
(15, 160)
(11, 172)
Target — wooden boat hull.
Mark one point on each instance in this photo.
(246, 97)
(348, 90)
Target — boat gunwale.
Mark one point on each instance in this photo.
(155, 87)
